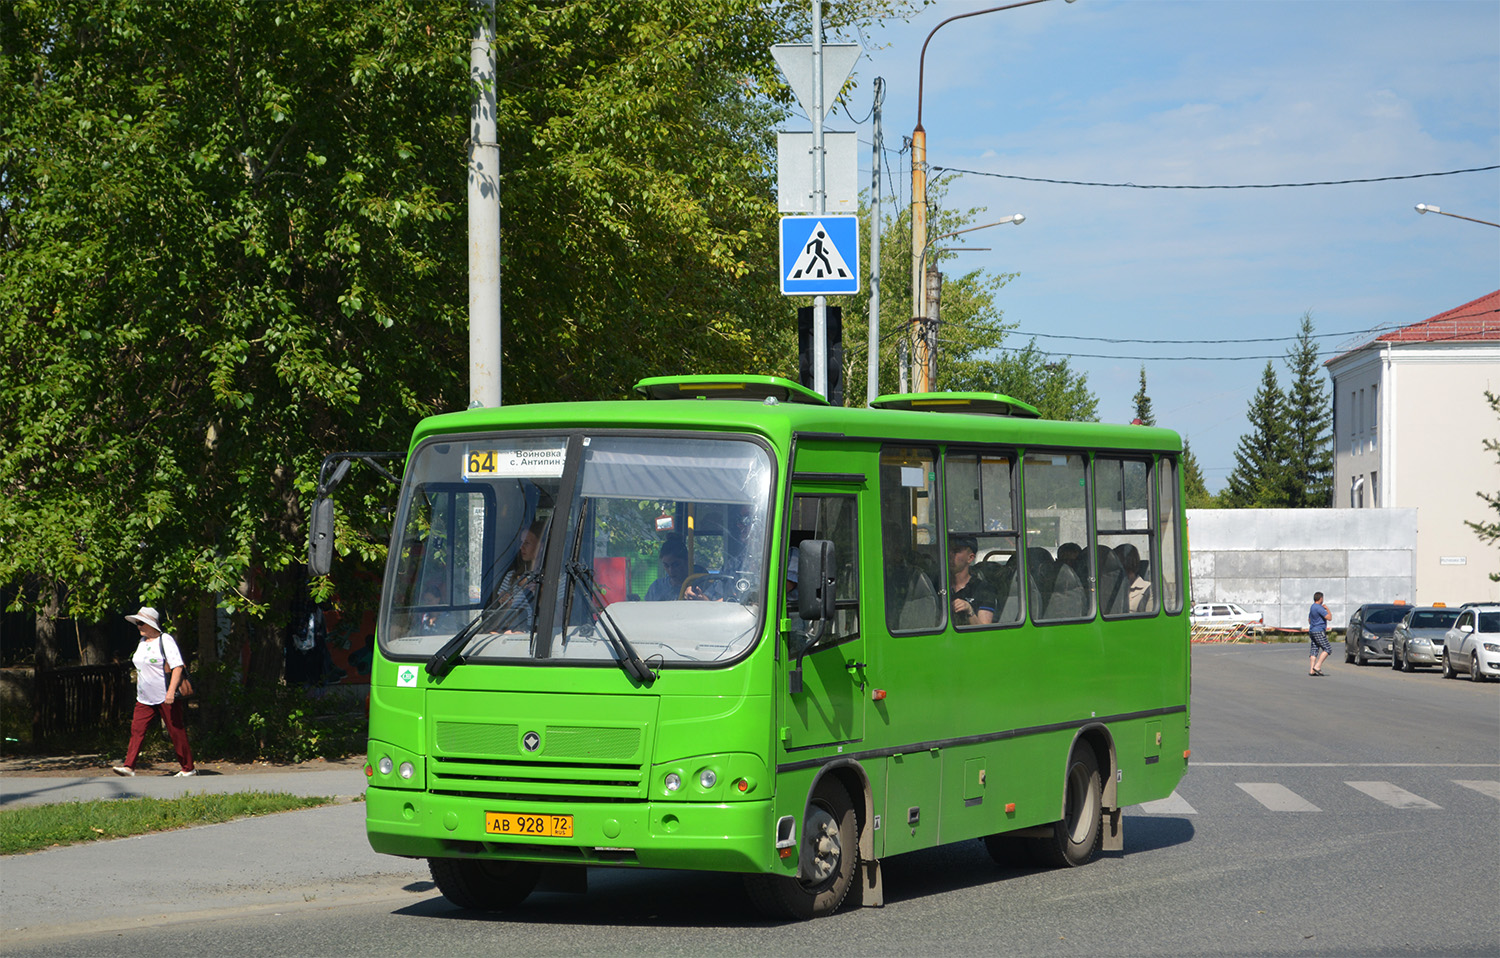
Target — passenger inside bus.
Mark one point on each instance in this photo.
(974, 602)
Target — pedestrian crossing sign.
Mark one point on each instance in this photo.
(819, 255)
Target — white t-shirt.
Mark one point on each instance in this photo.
(150, 676)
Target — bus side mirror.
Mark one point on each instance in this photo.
(815, 580)
(320, 537)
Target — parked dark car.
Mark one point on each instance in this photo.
(1370, 629)
(1418, 639)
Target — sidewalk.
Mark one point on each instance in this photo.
(20, 784)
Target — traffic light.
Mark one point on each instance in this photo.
(835, 325)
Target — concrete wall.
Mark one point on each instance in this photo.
(1273, 560)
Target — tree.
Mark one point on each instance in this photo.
(1489, 532)
(972, 354)
(1308, 422)
(1143, 414)
(1260, 459)
(1194, 489)
(226, 257)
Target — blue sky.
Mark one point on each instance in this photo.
(1205, 93)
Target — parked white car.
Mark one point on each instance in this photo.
(1473, 644)
(1223, 613)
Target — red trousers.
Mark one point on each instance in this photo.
(171, 717)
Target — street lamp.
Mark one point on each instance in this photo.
(919, 177)
(1427, 208)
(924, 327)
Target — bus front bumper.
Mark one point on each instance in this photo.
(728, 836)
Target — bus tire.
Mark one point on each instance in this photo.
(830, 856)
(483, 884)
(1075, 840)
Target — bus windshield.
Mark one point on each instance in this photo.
(662, 543)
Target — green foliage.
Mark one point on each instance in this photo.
(234, 241)
(1309, 427)
(1489, 532)
(1257, 481)
(274, 722)
(1286, 460)
(32, 827)
(1143, 412)
(1194, 490)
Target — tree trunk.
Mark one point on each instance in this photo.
(48, 655)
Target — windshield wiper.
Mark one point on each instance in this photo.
(625, 654)
(451, 654)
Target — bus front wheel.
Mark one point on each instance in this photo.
(483, 885)
(829, 854)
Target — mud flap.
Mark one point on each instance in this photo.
(1114, 831)
(872, 892)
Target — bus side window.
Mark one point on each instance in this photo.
(914, 567)
(979, 490)
(1123, 516)
(1058, 567)
(835, 518)
(1168, 519)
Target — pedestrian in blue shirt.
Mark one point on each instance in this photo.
(1317, 630)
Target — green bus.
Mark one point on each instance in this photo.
(727, 626)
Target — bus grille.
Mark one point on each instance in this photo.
(572, 763)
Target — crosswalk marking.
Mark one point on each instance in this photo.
(1492, 789)
(1392, 795)
(1278, 798)
(1173, 804)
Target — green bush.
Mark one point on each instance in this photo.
(276, 723)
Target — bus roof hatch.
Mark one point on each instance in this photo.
(989, 404)
(755, 388)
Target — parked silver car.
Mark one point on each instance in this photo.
(1418, 639)
(1473, 644)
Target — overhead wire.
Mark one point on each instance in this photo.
(1209, 186)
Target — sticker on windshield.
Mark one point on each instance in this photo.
(527, 460)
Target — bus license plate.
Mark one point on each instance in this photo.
(531, 826)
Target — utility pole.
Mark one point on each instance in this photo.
(872, 384)
(484, 216)
(820, 201)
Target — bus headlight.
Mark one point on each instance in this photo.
(673, 781)
(707, 778)
(385, 765)
(407, 770)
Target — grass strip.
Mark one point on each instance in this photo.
(31, 827)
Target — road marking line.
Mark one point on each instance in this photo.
(1492, 789)
(1197, 764)
(1392, 795)
(1278, 798)
(1173, 804)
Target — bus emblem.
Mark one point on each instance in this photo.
(531, 741)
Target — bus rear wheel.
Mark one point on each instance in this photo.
(483, 885)
(829, 854)
(1075, 840)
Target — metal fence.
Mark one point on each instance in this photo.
(77, 697)
(1229, 632)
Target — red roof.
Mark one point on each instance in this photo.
(1479, 319)
(1473, 321)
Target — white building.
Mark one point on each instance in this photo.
(1409, 423)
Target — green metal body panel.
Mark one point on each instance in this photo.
(970, 738)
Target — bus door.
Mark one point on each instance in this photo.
(829, 708)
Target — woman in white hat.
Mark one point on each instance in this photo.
(158, 669)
